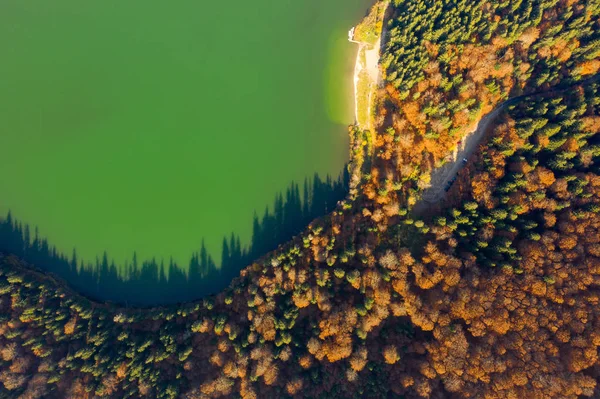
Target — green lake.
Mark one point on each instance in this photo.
(149, 126)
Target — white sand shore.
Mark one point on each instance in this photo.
(367, 60)
(366, 76)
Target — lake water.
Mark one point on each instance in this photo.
(151, 125)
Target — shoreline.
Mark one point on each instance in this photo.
(371, 57)
(356, 78)
(370, 66)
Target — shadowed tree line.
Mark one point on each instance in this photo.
(152, 282)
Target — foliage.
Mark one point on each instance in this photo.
(369, 29)
(494, 295)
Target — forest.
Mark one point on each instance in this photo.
(491, 293)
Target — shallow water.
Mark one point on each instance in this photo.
(149, 126)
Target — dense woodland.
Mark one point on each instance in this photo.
(492, 293)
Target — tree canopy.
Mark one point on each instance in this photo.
(492, 293)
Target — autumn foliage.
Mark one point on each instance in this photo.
(492, 293)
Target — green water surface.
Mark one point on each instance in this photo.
(149, 125)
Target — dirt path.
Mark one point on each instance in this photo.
(441, 178)
(367, 77)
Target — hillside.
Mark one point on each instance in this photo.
(492, 292)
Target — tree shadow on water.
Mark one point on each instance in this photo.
(152, 282)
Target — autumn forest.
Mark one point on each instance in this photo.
(489, 292)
